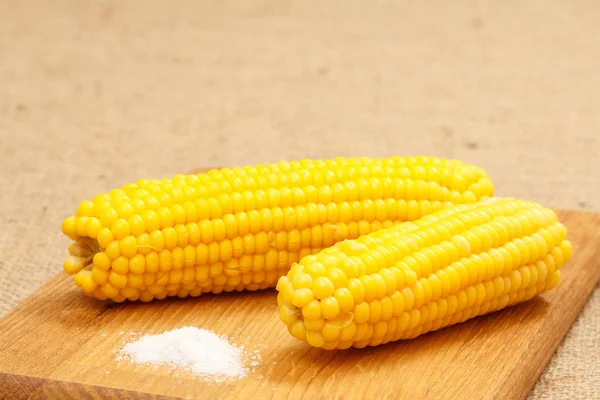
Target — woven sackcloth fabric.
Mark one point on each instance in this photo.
(95, 94)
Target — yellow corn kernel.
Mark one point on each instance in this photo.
(322, 287)
(101, 261)
(74, 264)
(135, 281)
(113, 250)
(104, 237)
(120, 229)
(109, 291)
(137, 264)
(99, 276)
(128, 247)
(117, 280)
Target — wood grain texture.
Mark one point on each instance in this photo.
(59, 344)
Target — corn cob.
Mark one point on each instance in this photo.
(242, 228)
(421, 276)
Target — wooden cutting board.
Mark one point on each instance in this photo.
(60, 344)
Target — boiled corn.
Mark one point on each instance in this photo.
(420, 276)
(241, 228)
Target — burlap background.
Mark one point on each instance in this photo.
(98, 93)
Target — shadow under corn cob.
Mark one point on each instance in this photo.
(420, 276)
(242, 228)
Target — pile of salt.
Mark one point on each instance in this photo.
(198, 350)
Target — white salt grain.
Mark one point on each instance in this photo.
(198, 350)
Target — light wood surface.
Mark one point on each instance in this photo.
(59, 344)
